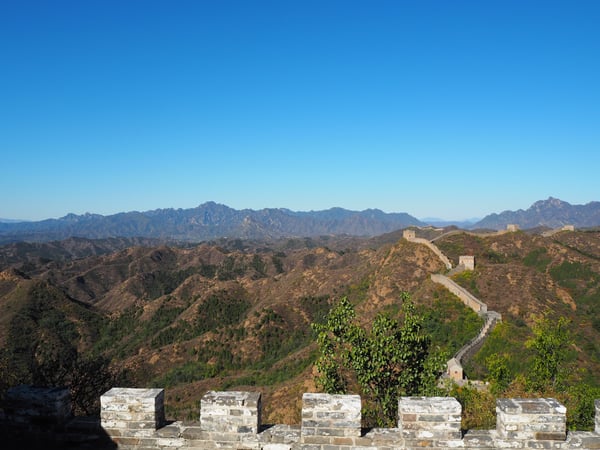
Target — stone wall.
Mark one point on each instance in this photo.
(466, 297)
(135, 419)
(40, 418)
(231, 420)
(409, 235)
(33, 406)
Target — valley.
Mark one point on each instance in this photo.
(236, 314)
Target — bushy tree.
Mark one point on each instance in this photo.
(389, 360)
(499, 374)
(550, 343)
(581, 410)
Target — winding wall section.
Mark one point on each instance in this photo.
(491, 317)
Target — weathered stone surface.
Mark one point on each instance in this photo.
(131, 416)
(276, 447)
(426, 423)
(331, 415)
(583, 440)
(37, 405)
(280, 434)
(542, 419)
(429, 418)
(230, 412)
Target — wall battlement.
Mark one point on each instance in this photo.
(135, 419)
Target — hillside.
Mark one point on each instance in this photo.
(36, 254)
(211, 315)
(236, 314)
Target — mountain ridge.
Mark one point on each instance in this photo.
(207, 221)
(549, 213)
(212, 220)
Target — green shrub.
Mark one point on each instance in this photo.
(538, 259)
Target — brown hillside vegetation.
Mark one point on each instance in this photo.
(237, 314)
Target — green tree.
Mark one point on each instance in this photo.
(499, 374)
(580, 406)
(389, 360)
(550, 342)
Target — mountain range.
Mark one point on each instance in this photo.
(212, 221)
(550, 213)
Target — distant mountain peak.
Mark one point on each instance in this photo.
(550, 213)
(550, 202)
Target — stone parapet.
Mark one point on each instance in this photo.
(132, 412)
(230, 412)
(531, 419)
(431, 419)
(133, 419)
(327, 415)
(37, 406)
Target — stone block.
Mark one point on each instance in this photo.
(276, 447)
(37, 406)
(132, 411)
(529, 419)
(231, 412)
(331, 415)
(428, 418)
(280, 434)
(584, 440)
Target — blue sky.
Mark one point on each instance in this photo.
(451, 109)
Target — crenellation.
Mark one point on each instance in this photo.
(230, 412)
(331, 415)
(231, 421)
(37, 406)
(135, 409)
(542, 419)
(432, 418)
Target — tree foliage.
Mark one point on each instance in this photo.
(550, 343)
(389, 360)
(499, 373)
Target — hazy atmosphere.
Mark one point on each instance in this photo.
(435, 108)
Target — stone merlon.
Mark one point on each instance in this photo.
(134, 419)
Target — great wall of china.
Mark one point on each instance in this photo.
(134, 418)
(466, 262)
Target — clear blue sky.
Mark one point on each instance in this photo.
(451, 109)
